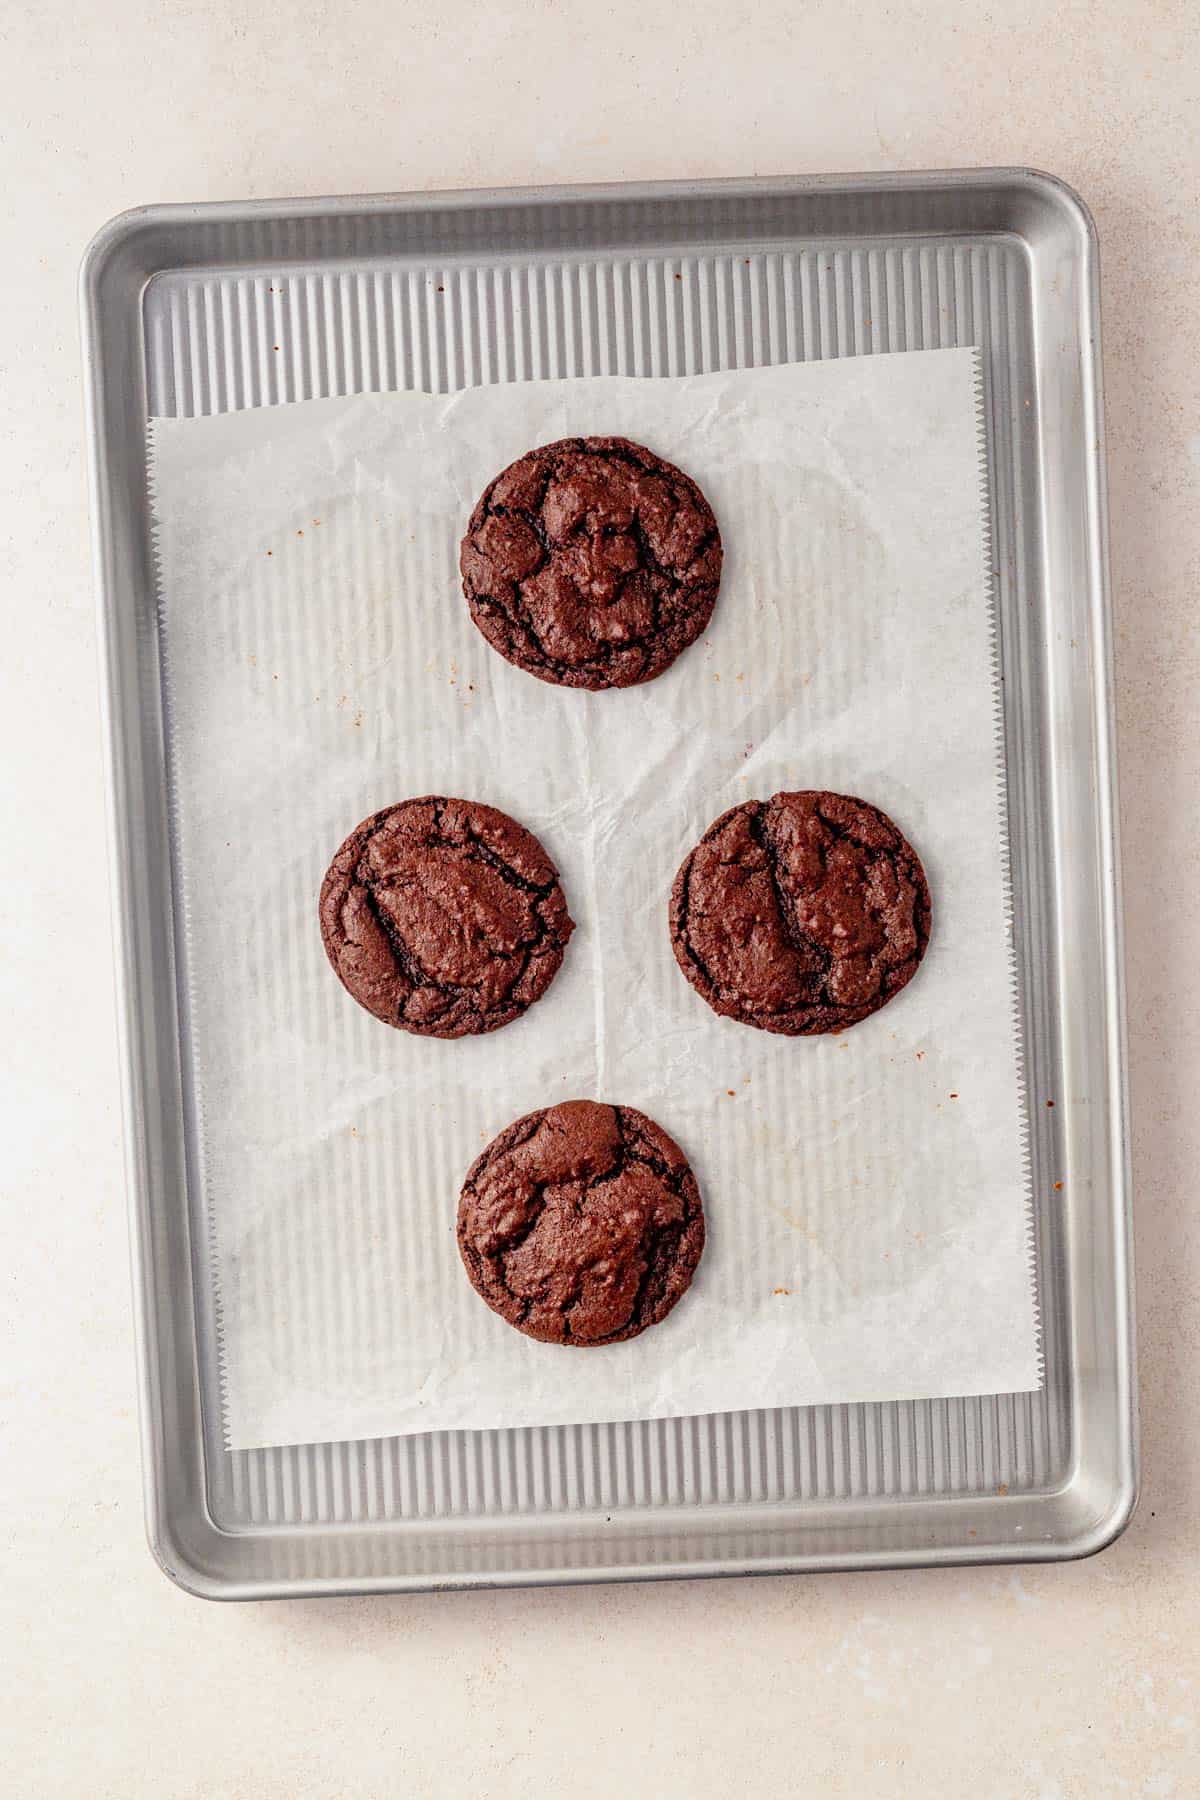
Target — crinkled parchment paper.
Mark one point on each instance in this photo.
(866, 1195)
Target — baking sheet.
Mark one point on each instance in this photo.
(865, 1195)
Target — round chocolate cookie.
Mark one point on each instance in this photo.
(591, 563)
(444, 917)
(581, 1224)
(801, 914)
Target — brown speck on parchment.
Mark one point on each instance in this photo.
(781, 1290)
(1003, 1488)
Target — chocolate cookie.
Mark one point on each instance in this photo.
(802, 914)
(581, 1224)
(592, 563)
(444, 917)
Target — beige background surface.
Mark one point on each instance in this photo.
(1057, 1682)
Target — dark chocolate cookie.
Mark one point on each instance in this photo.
(592, 563)
(581, 1224)
(801, 914)
(444, 917)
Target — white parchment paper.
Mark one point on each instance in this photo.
(866, 1195)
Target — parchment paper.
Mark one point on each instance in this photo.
(866, 1195)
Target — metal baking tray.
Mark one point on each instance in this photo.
(184, 312)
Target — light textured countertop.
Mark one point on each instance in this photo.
(1080, 1680)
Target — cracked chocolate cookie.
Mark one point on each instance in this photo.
(444, 917)
(581, 1224)
(591, 563)
(801, 914)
